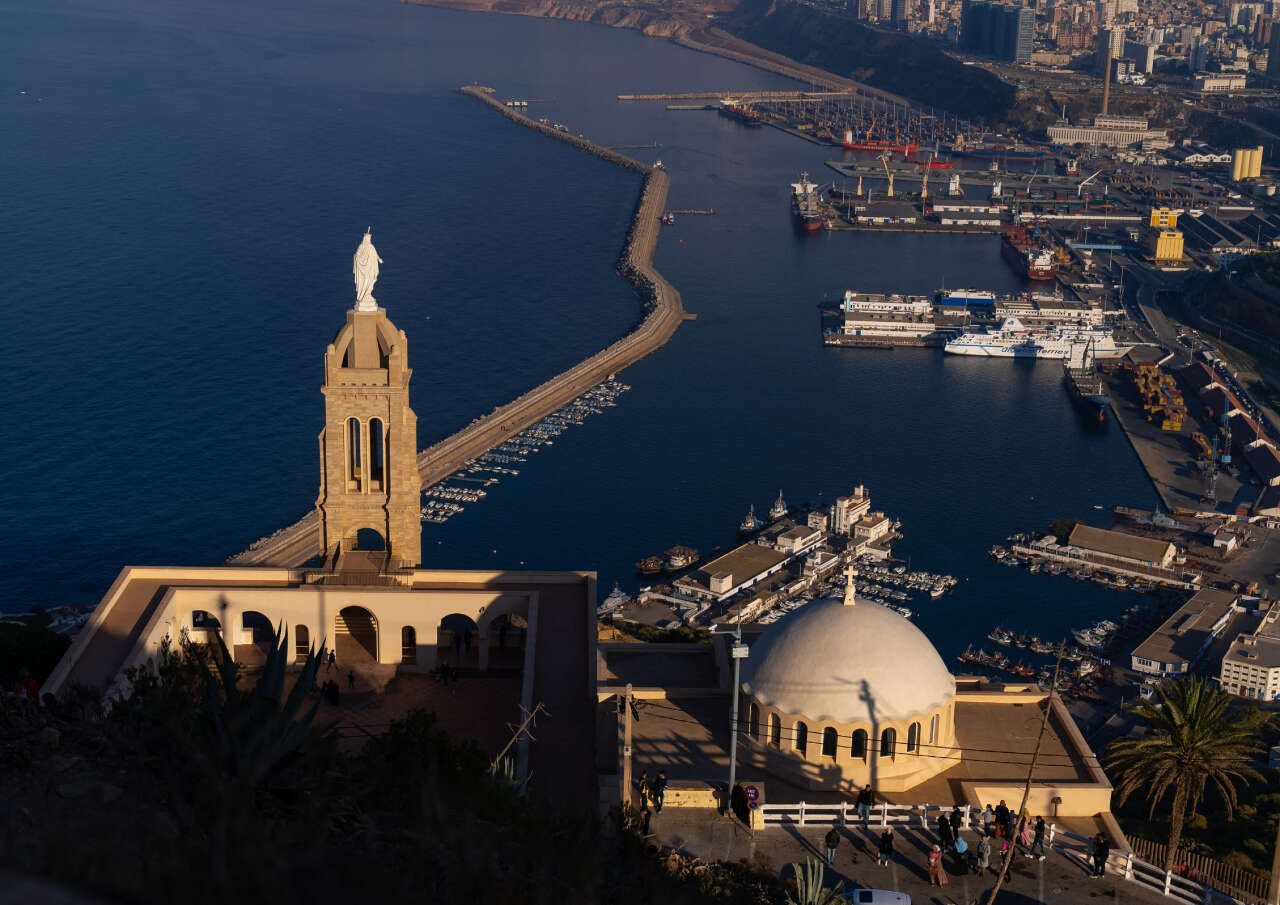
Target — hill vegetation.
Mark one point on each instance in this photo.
(898, 63)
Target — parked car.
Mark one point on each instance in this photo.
(876, 897)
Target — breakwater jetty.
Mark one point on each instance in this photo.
(663, 312)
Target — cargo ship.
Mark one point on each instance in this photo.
(849, 143)
(1031, 259)
(1084, 383)
(994, 151)
(740, 112)
(805, 209)
(1014, 340)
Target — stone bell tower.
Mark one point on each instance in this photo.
(369, 445)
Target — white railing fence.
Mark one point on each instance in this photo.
(1126, 865)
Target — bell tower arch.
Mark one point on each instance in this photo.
(369, 484)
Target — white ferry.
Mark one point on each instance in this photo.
(1014, 340)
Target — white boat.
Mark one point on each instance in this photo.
(1013, 339)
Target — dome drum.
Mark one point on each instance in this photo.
(840, 694)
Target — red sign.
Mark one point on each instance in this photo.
(753, 794)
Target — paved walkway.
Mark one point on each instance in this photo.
(1061, 879)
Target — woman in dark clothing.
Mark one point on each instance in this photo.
(886, 848)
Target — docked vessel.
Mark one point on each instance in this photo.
(740, 112)
(988, 150)
(1028, 256)
(751, 524)
(1014, 340)
(805, 207)
(679, 557)
(1084, 383)
(867, 143)
(650, 565)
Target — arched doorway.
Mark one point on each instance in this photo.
(301, 643)
(370, 539)
(507, 635)
(254, 639)
(457, 642)
(408, 644)
(355, 636)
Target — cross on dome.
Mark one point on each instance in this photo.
(850, 591)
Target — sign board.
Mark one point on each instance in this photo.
(753, 794)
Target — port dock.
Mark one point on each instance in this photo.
(663, 313)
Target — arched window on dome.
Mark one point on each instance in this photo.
(933, 729)
(775, 730)
(753, 721)
(888, 743)
(858, 747)
(829, 742)
(913, 739)
(802, 738)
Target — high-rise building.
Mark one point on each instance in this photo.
(1273, 56)
(898, 14)
(1000, 30)
(1109, 45)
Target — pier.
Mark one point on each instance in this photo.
(744, 96)
(664, 312)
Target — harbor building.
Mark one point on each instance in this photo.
(1036, 309)
(736, 570)
(364, 597)
(1183, 639)
(1251, 667)
(872, 527)
(1218, 84)
(1124, 549)
(800, 539)
(846, 510)
(1160, 239)
(1110, 130)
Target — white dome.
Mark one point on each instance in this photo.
(847, 664)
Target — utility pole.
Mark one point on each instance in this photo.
(738, 652)
(1031, 771)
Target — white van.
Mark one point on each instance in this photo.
(876, 897)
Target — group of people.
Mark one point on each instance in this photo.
(655, 791)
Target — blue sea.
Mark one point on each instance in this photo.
(182, 185)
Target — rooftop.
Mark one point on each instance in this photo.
(1184, 634)
(742, 563)
(1117, 543)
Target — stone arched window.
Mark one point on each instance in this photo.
(858, 747)
(829, 742)
(888, 743)
(753, 721)
(802, 738)
(933, 729)
(775, 730)
(913, 739)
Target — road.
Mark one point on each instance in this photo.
(299, 542)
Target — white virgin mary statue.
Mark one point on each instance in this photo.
(364, 267)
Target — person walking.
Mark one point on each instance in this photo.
(866, 798)
(987, 817)
(1011, 826)
(351, 680)
(962, 856)
(984, 854)
(1101, 850)
(957, 820)
(659, 791)
(832, 839)
(1002, 819)
(886, 848)
(937, 873)
(945, 836)
(1037, 842)
(1024, 834)
(642, 786)
(333, 660)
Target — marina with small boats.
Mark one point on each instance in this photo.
(443, 501)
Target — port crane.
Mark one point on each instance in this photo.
(1080, 187)
(884, 159)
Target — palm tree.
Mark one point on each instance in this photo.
(1192, 742)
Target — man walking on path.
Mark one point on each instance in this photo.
(957, 819)
(886, 848)
(1002, 819)
(866, 798)
(1101, 849)
(659, 791)
(642, 785)
(987, 817)
(832, 839)
(1038, 841)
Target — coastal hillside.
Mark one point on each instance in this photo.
(897, 63)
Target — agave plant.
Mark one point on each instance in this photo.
(251, 732)
(809, 888)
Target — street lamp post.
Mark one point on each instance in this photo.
(737, 651)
